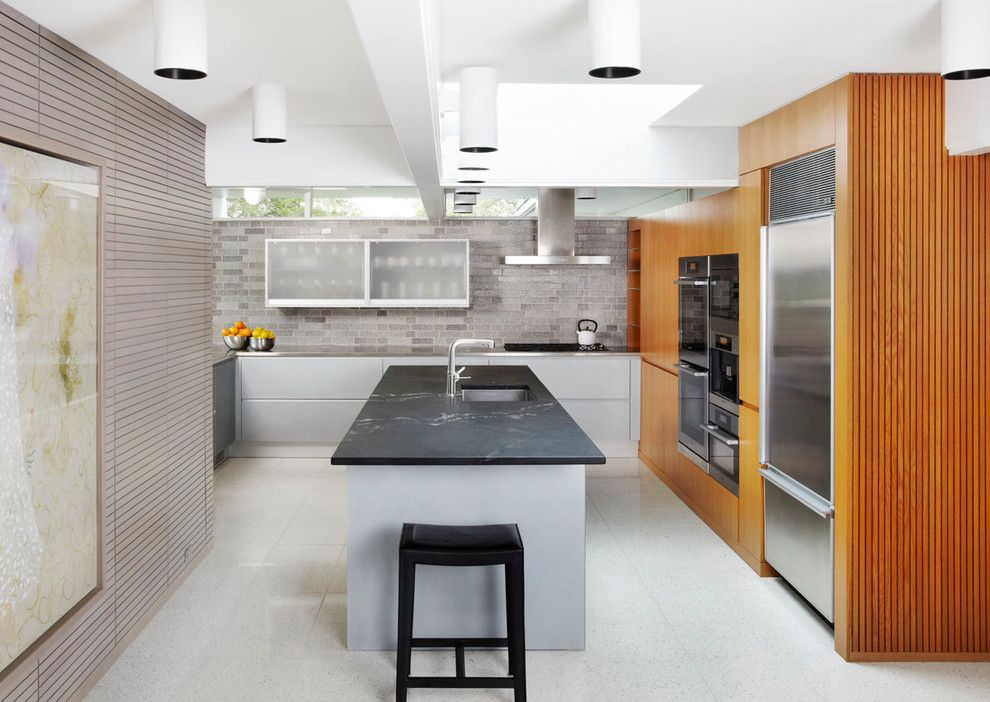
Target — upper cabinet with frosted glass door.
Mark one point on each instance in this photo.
(371, 273)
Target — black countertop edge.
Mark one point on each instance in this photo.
(469, 461)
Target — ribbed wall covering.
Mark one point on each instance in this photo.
(157, 270)
(919, 562)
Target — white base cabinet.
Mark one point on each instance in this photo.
(300, 405)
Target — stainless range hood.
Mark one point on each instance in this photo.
(555, 233)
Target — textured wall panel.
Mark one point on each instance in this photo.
(158, 478)
(920, 478)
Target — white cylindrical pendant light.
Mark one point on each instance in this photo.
(463, 209)
(269, 113)
(965, 39)
(479, 120)
(586, 193)
(465, 199)
(254, 196)
(180, 39)
(615, 38)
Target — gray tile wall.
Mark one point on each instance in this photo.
(515, 303)
(158, 468)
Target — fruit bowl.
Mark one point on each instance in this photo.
(236, 343)
(261, 344)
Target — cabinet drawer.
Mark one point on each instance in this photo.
(297, 420)
(285, 378)
(579, 378)
(600, 419)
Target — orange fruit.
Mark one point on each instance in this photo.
(239, 324)
(225, 332)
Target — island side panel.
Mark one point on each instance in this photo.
(546, 501)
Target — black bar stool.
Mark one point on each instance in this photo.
(438, 545)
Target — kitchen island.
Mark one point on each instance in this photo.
(416, 455)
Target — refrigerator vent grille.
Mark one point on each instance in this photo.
(803, 187)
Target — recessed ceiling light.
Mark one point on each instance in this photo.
(586, 193)
(465, 199)
(463, 209)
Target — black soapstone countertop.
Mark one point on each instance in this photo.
(409, 420)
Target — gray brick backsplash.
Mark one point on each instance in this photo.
(508, 303)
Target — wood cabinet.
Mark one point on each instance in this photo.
(750, 485)
(728, 222)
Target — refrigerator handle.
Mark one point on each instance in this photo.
(764, 422)
(810, 499)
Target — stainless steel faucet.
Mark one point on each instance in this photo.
(454, 375)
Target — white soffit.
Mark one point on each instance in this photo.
(572, 134)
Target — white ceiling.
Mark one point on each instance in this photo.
(311, 46)
(750, 56)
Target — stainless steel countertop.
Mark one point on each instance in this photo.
(221, 353)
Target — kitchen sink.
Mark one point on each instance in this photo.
(495, 393)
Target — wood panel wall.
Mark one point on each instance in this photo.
(918, 572)
(728, 222)
(158, 478)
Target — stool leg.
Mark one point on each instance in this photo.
(515, 612)
(403, 650)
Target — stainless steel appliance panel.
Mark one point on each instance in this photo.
(798, 348)
(723, 272)
(798, 543)
(692, 409)
(692, 304)
(723, 447)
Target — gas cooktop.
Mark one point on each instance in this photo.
(553, 348)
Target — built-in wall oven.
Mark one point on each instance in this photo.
(692, 310)
(708, 366)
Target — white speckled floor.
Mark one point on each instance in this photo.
(673, 614)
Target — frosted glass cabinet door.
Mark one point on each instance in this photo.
(310, 273)
(427, 273)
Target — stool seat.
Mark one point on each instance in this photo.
(440, 538)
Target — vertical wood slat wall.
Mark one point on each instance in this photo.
(919, 563)
(158, 480)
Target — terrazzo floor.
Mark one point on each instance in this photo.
(673, 614)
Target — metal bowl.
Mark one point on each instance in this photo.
(236, 343)
(262, 344)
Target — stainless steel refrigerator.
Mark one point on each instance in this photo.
(796, 376)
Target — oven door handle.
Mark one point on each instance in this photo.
(699, 282)
(724, 437)
(688, 370)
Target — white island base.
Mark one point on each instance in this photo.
(546, 501)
